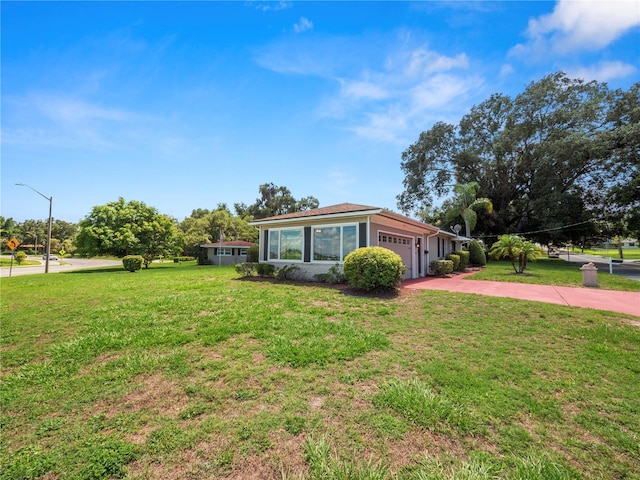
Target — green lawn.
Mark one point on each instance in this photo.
(628, 253)
(6, 262)
(188, 372)
(552, 271)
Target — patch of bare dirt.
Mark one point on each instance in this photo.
(629, 321)
(156, 394)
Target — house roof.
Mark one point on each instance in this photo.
(234, 243)
(338, 209)
(342, 210)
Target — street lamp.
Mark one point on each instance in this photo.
(46, 263)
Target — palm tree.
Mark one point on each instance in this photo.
(507, 246)
(514, 247)
(528, 251)
(465, 205)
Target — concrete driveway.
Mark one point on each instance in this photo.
(64, 265)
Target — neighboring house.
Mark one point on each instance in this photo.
(315, 240)
(226, 253)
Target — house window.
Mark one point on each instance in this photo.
(333, 243)
(242, 251)
(286, 244)
(223, 252)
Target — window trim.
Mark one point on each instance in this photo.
(340, 226)
(279, 232)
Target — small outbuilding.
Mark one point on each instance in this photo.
(315, 240)
(226, 253)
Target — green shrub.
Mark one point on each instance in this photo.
(253, 252)
(133, 262)
(334, 275)
(476, 254)
(373, 268)
(455, 258)
(288, 272)
(442, 267)
(464, 259)
(20, 257)
(266, 269)
(247, 269)
(183, 259)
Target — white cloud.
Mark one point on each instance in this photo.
(271, 6)
(384, 94)
(413, 87)
(303, 25)
(603, 71)
(423, 61)
(70, 110)
(66, 122)
(506, 70)
(363, 89)
(577, 25)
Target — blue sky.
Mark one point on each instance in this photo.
(188, 105)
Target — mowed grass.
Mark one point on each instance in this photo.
(8, 263)
(552, 271)
(188, 372)
(627, 253)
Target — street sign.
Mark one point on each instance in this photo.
(13, 244)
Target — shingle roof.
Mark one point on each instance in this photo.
(316, 212)
(342, 209)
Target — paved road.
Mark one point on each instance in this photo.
(626, 269)
(66, 265)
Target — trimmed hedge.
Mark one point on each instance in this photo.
(183, 259)
(476, 254)
(455, 258)
(442, 267)
(133, 263)
(464, 259)
(373, 268)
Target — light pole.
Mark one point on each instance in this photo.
(46, 262)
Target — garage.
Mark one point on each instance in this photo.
(402, 245)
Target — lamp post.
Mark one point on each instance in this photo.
(46, 262)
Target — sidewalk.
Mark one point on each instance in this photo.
(610, 300)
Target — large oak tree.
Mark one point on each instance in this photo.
(555, 160)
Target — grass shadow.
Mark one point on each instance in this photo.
(340, 287)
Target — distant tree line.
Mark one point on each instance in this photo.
(123, 227)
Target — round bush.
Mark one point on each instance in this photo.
(373, 268)
(133, 262)
(476, 254)
(464, 259)
(20, 257)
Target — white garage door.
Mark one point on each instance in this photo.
(403, 246)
